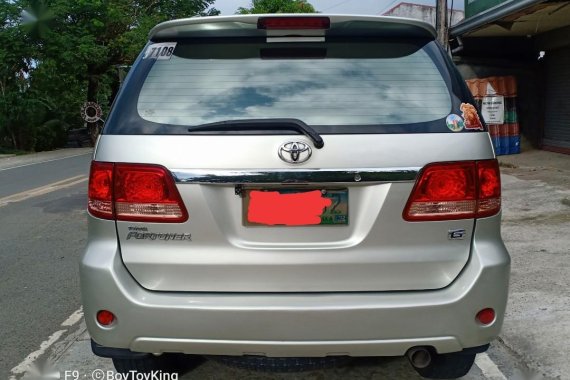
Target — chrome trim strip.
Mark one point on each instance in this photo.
(217, 176)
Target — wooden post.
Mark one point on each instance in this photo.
(441, 23)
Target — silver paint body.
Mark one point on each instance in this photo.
(378, 286)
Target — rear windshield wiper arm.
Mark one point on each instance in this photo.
(263, 124)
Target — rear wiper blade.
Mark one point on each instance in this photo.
(263, 124)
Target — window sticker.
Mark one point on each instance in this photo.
(161, 51)
(471, 117)
(455, 123)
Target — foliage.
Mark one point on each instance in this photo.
(14, 95)
(57, 54)
(12, 151)
(277, 6)
(50, 135)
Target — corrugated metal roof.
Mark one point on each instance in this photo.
(505, 86)
(491, 15)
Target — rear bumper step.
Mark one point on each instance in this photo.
(116, 353)
(187, 345)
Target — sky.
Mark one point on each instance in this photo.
(229, 7)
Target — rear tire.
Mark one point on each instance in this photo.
(280, 365)
(167, 363)
(447, 366)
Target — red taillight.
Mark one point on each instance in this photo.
(105, 317)
(455, 190)
(147, 193)
(489, 199)
(134, 192)
(100, 191)
(293, 23)
(486, 316)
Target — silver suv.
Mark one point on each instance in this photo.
(286, 192)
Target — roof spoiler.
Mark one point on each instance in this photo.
(249, 26)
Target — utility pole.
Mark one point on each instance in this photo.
(441, 23)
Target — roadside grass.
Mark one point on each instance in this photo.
(17, 152)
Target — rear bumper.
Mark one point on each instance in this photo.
(288, 325)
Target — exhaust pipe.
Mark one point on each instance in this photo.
(419, 357)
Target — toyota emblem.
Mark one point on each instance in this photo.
(295, 152)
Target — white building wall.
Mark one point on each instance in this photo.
(422, 12)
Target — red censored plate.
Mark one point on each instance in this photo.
(291, 207)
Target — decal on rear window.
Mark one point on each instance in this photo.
(455, 123)
(161, 51)
(471, 117)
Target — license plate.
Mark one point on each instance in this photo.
(295, 207)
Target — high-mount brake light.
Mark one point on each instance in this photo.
(293, 23)
(134, 192)
(455, 190)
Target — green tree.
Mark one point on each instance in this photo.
(277, 6)
(17, 100)
(62, 53)
(93, 38)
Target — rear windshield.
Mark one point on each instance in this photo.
(334, 86)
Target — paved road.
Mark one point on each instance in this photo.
(40, 240)
(26, 176)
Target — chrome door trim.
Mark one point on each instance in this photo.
(217, 176)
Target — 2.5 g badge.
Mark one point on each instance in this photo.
(458, 234)
(160, 51)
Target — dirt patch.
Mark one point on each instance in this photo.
(551, 176)
(544, 219)
(507, 165)
(548, 167)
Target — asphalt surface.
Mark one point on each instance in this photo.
(43, 232)
(25, 176)
(40, 242)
